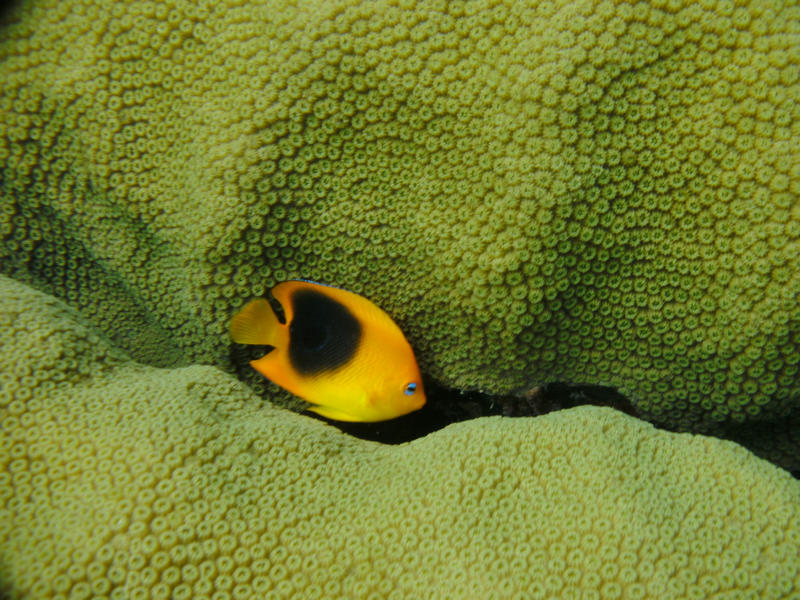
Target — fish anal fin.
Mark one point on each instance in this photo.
(332, 413)
(271, 366)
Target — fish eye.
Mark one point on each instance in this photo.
(410, 389)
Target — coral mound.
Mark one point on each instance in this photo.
(596, 192)
(120, 480)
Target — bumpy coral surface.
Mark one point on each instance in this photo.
(599, 192)
(120, 480)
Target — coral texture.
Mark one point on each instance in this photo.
(601, 192)
(120, 480)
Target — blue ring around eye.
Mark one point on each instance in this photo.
(410, 389)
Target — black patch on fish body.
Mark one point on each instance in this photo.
(323, 335)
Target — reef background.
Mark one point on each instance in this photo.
(572, 192)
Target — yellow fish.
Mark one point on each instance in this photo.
(335, 349)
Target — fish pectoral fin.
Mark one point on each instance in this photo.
(255, 324)
(333, 413)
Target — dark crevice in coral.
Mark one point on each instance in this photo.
(7, 9)
(772, 439)
(241, 355)
(448, 405)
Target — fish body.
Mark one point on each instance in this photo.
(335, 349)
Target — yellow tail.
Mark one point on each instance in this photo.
(255, 324)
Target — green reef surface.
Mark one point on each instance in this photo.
(123, 480)
(600, 193)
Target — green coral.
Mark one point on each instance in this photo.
(121, 480)
(594, 192)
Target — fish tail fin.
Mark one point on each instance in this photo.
(256, 324)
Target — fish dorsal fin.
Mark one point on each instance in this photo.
(255, 324)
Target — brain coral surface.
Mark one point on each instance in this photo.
(594, 192)
(120, 480)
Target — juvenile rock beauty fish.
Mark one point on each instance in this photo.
(336, 350)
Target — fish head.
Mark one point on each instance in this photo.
(397, 386)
